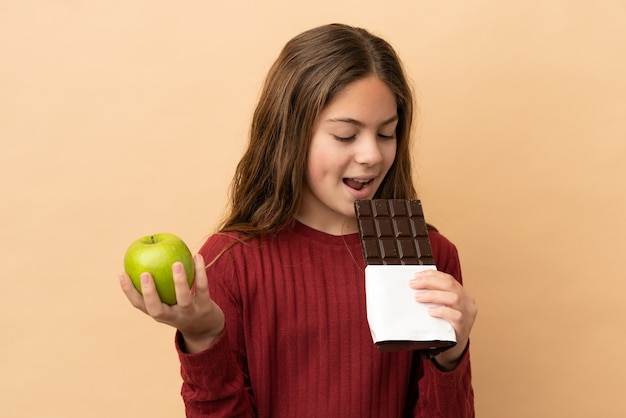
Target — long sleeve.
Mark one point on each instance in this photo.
(213, 384)
(445, 394)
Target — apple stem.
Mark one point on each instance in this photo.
(152, 239)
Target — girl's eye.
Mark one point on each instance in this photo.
(344, 138)
(353, 137)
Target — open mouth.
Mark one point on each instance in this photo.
(356, 184)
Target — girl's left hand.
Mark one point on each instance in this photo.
(456, 305)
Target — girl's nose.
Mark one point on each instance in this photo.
(368, 150)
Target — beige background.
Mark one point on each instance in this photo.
(120, 119)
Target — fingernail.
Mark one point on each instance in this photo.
(145, 278)
(177, 268)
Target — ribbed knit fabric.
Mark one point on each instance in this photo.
(297, 342)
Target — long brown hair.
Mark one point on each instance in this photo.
(311, 69)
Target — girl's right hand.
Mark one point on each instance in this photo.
(199, 319)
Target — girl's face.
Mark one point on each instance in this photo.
(352, 148)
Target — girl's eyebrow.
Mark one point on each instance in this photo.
(361, 124)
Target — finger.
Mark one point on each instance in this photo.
(453, 316)
(154, 306)
(433, 279)
(183, 294)
(441, 311)
(440, 297)
(131, 293)
(201, 282)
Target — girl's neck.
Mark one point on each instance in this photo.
(337, 227)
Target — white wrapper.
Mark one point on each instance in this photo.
(393, 313)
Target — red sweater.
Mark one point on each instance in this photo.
(297, 342)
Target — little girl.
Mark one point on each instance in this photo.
(276, 323)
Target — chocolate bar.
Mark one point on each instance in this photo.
(394, 232)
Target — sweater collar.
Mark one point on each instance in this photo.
(313, 234)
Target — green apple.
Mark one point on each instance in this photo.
(155, 254)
